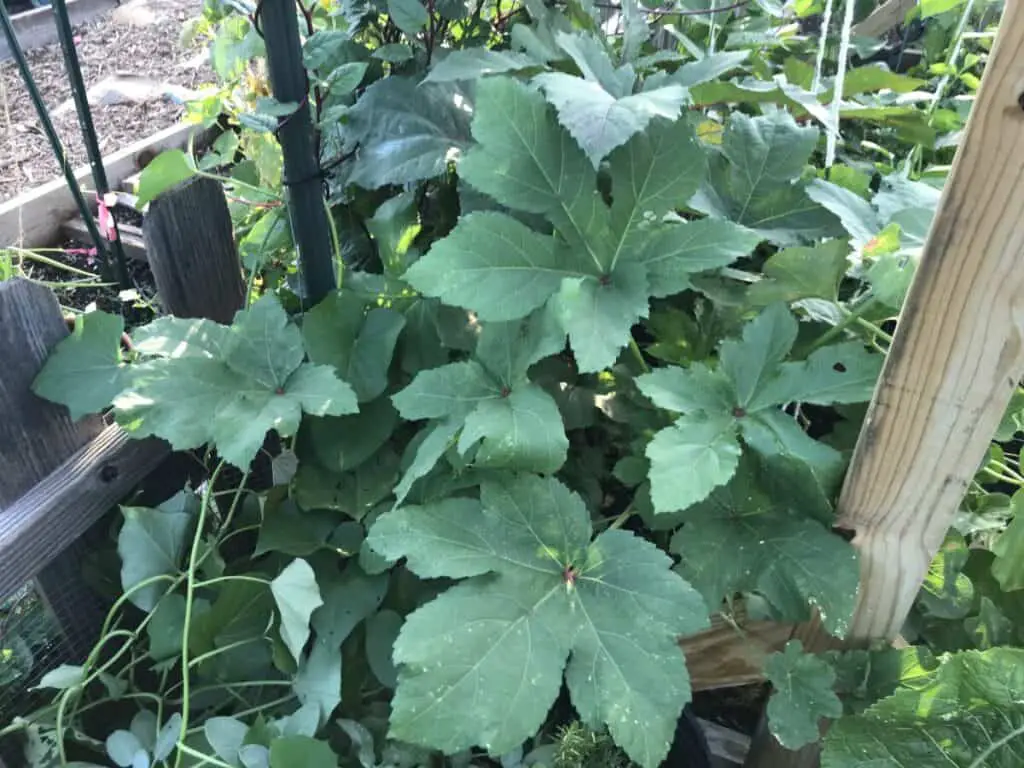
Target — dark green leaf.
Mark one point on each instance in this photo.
(802, 694)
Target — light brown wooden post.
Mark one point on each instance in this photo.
(957, 357)
(191, 247)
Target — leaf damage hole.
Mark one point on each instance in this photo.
(605, 280)
(109, 473)
(839, 368)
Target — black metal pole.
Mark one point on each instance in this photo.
(303, 182)
(54, 139)
(92, 146)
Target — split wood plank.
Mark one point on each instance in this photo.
(731, 653)
(37, 28)
(955, 361)
(33, 219)
(131, 237)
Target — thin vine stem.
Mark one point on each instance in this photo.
(190, 590)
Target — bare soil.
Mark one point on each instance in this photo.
(141, 38)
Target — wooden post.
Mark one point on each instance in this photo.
(191, 247)
(57, 477)
(35, 436)
(957, 357)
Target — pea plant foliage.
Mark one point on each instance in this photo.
(592, 377)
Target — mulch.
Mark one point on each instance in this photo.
(140, 37)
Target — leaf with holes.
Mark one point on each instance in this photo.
(536, 589)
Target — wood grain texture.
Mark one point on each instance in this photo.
(191, 247)
(36, 436)
(33, 219)
(957, 356)
(59, 509)
(729, 654)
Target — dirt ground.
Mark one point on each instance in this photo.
(138, 38)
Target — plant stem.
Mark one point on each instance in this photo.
(849, 319)
(638, 355)
(190, 589)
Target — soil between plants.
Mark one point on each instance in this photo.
(139, 37)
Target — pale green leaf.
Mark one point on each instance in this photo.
(408, 15)
(493, 265)
(293, 751)
(474, 63)
(347, 600)
(151, 544)
(655, 172)
(520, 431)
(691, 458)
(753, 180)
(179, 337)
(451, 390)
(855, 213)
(591, 56)
(599, 314)
(263, 345)
(297, 595)
(84, 371)
(672, 253)
(438, 439)
(406, 130)
(686, 390)
(166, 170)
(753, 535)
(708, 68)
(751, 362)
(507, 350)
(600, 122)
(509, 628)
(839, 373)
(966, 714)
(1008, 567)
(801, 273)
(772, 432)
(525, 160)
(801, 695)
(631, 602)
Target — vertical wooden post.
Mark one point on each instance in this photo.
(191, 247)
(957, 357)
(36, 437)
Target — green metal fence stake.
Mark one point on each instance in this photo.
(92, 146)
(55, 143)
(304, 183)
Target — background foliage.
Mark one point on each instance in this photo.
(616, 287)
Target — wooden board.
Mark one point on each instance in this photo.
(732, 653)
(956, 359)
(37, 28)
(131, 237)
(33, 219)
(55, 512)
